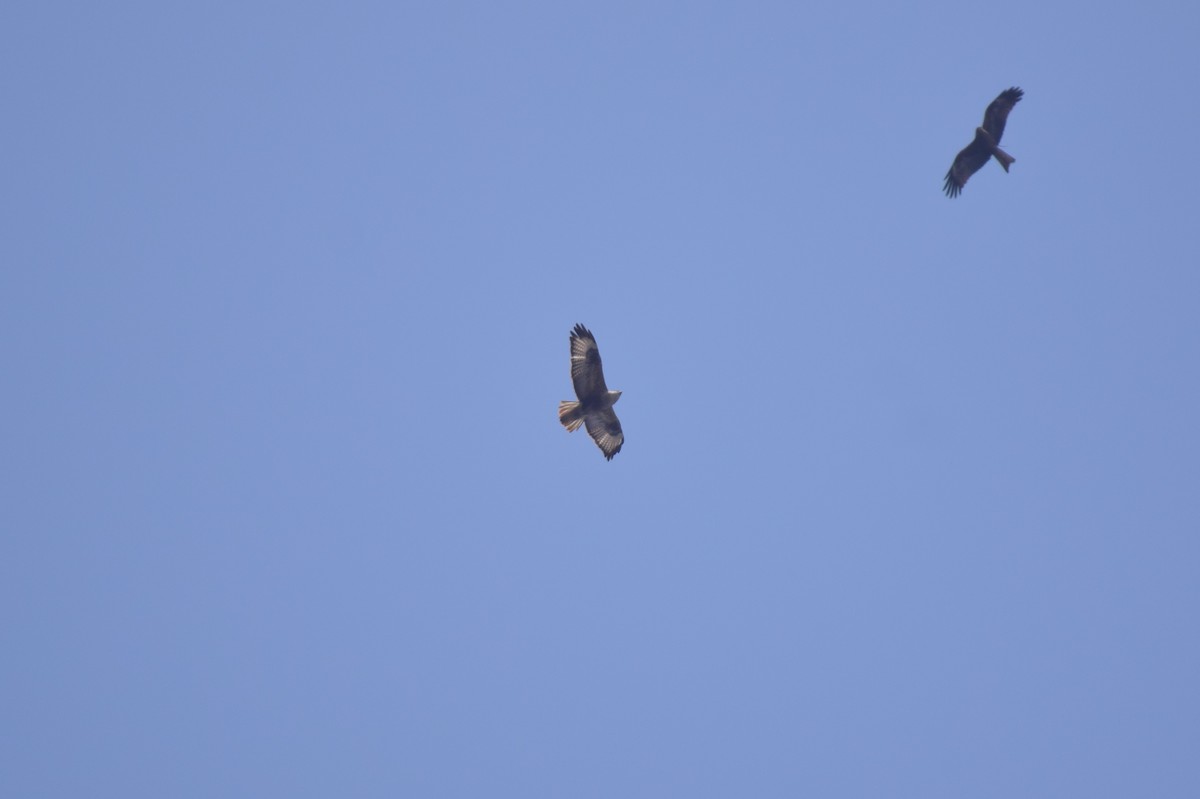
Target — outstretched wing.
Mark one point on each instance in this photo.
(997, 112)
(969, 160)
(605, 429)
(586, 371)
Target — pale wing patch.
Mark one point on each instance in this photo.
(605, 430)
(587, 373)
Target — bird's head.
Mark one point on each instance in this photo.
(616, 395)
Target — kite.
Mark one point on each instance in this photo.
(986, 144)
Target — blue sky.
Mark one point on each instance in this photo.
(908, 501)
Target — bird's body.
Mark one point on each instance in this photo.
(594, 408)
(574, 414)
(986, 144)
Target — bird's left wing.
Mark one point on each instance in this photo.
(997, 112)
(605, 430)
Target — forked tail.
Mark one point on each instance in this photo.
(570, 416)
(1004, 158)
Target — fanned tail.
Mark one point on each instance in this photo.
(570, 416)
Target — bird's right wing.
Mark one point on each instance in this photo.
(968, 161)
(586, 371)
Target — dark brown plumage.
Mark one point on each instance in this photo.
(594, 407)
(987, 138)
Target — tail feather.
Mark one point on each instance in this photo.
(570, 415)
(1004, 158)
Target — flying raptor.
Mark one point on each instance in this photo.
(595, 405)
(986, 144)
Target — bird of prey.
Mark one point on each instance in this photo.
(595, 405)
(986, 144)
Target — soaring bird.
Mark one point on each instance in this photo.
(986, 144)
(595, 405)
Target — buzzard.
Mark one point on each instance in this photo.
(595, 405)
(986, 144)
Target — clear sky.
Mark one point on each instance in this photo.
(908, 503)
